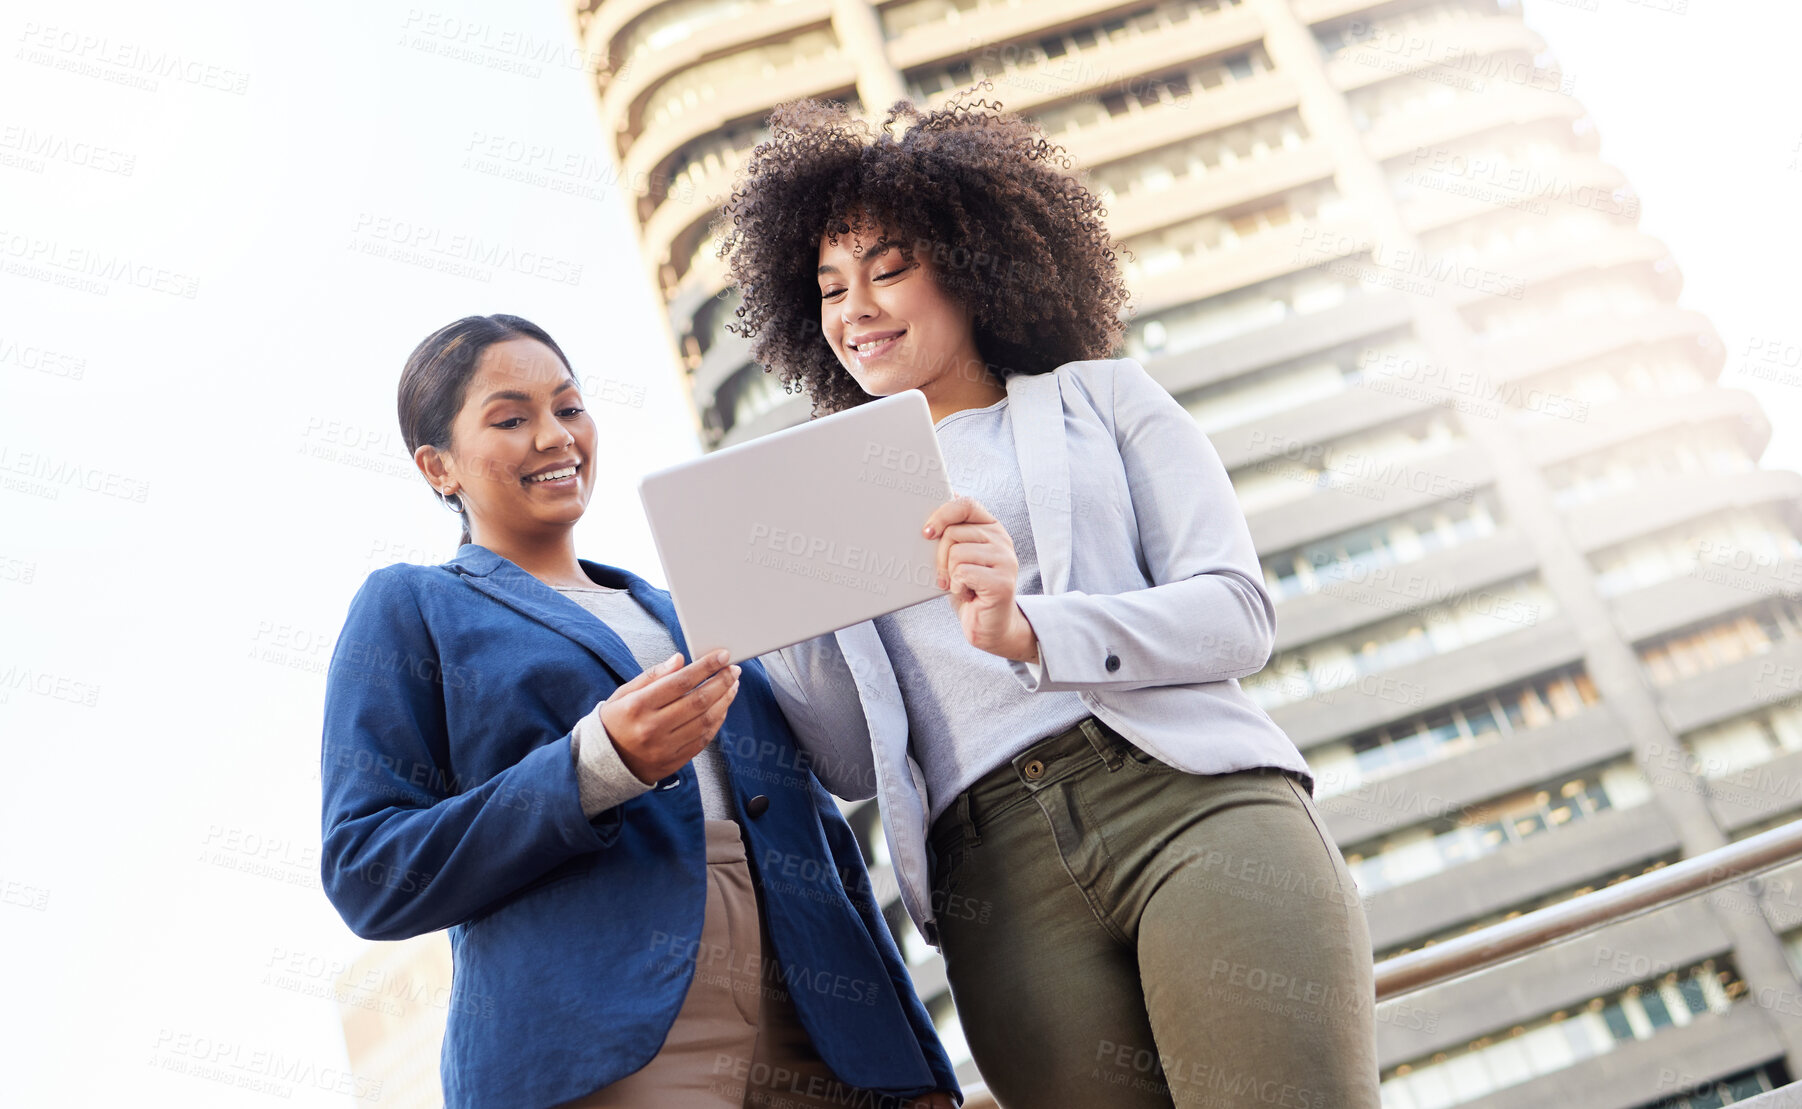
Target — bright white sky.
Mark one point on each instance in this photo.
(246, 465)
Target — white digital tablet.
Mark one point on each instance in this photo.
(803, 531)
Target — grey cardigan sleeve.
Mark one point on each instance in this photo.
(602, 777)
(818, 695)
(1207, 615)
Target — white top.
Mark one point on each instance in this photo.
(966, 714)
(604, 778)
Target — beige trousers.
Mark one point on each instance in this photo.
(737, 1040)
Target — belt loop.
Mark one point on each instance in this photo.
(1105, 747)
(971, 838)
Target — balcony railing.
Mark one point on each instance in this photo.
(1522, 936)
(1512, 939)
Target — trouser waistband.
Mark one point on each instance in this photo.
(1012, 783)
(725, 842)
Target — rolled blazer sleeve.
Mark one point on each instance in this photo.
(405, 851)
(1208, 616)
(818, 695)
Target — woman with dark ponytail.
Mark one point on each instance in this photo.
(651, 900)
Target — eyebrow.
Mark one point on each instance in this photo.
(877, 250)
(515, 394)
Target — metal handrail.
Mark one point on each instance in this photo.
(1512, 939)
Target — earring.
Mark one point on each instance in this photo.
(454, 506)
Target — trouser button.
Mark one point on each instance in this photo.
(1034, 770)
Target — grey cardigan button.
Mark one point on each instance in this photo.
(1113, 663)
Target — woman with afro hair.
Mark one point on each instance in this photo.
(1115, 849)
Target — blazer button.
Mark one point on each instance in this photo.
(757, 805)
(1113, 663)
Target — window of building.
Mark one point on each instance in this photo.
(1646, 461)
(1497, 318)
(1559, 1040)
(1338, 38)
(752, 392)
(714, 155)
(1134, 96)
(1347, 764)
(664, 25)
(1452, 167)
(1064, 57)
(1367, 464)
(1494, 238)
(1729, 1090)
(1573, 393)
(1271, 391)
(1194, 241)
(1407, 97)
(1318, 670)
(1189, 162)
(1750, 740)
(684, 92)
(1199, 323)
(1342, 562)
(929, 16)
(1792, 946)
(1701, 648)
(1408, 854)
(710, 320)
(1744, 547)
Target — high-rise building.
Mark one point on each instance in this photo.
(1538, 616)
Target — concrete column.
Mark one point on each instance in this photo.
(859, 31)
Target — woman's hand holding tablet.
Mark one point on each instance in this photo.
(662, 718)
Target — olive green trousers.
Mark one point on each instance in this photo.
(1118, 933)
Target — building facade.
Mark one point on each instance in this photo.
(1539, 626)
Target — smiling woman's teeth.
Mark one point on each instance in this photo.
(567, 471)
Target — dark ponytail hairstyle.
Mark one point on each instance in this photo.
(435, 381)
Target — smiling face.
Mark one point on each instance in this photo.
(520, 446)
(890, 323)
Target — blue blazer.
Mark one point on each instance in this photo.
(450, 801)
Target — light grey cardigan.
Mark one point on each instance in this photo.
(1151, 611)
